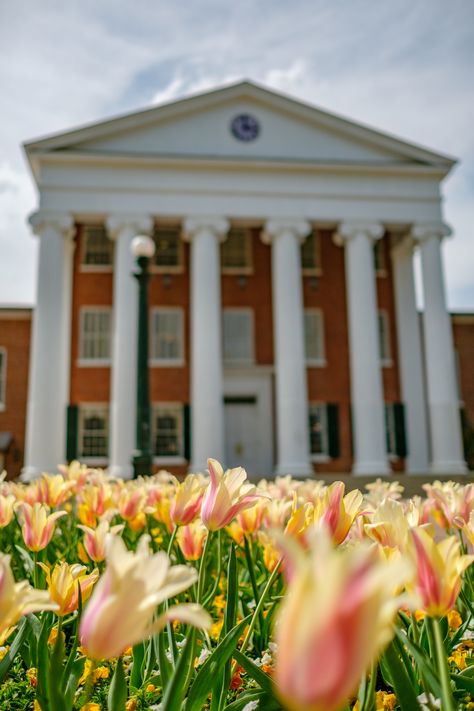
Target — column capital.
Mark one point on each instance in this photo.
(218, 226)
(404, 246)
(422, 232)
(350, 229)
(61, 222)
(274, 228)
(140, 224)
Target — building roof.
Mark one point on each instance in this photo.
(159, 131)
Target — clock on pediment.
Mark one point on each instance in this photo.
(245, 127)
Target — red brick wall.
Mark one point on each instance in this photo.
(463, 335)
(15, 329)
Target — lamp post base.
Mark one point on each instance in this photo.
(142, 464)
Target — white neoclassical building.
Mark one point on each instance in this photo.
(285, 333)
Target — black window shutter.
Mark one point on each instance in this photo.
(334, 447)
(187, 431)
(400, 432)
(72, 421)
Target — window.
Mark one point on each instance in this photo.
(379, 258)
(384, 338)
(238, 336)
(97, 247)
(167, 430)
(313, 336)
(94, 338)
(318, 429)
(169, 249)
(395, 431)
(93, 432)
(236, 252)
(3, 377)
(167, 336)
(311, 254)
(390, 432)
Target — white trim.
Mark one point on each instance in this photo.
(3, 380)
(385, 360)
(179, 361)
(100, 407)
(177, 407)
(321, 361)
(93, 362)
(240, 362)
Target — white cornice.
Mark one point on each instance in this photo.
(215, 162)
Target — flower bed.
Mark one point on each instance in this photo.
(214, 593)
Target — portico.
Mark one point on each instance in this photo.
(346, 184)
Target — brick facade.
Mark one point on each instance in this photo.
(15, 329)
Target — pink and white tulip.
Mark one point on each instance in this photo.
(227, 495)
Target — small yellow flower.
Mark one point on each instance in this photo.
(385, 701)
(3, 651)
(459, 658)
(150, 688)
(32, 676)
(454, 619)
(420, 615)
(101, 673)
(219, 602)
(131, 704)
(216, 628)
(90, 706)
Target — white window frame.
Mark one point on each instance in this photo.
(240, 361)
(94, 268)
(169, 269)
(156, 361)
(385, 357)
(324, 455)
(248, 268)
(176, 407)
(90, 407)
(3, 380)
(314, 271)
(380, 271)
(390, 431)
(83, 361)
(320, 361)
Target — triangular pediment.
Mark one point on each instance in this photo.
(201, 127)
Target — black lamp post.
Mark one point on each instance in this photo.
(143, 249)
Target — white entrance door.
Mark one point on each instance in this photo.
(248, 424)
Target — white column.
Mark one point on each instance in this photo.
(368, 415)
(207, 414)
(48, 389)
(286, 236)
(122, 229)
(443, 401)
(410, 357)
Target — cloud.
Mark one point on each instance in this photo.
(403, 67)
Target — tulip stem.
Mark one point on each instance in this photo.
(256, 613)
(35, 569)
(447, 700)
(202, 568)
(172, 539)
(248, 556)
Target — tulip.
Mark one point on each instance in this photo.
(226, 496)
(36, 525)
(6, 509)
(191, 539)
(95, 539)
(337, 512)
(54, 490)
(186, 503)
(131, 502)
(63, 582)
(121, 609)
(334, 620)
(439, 567)
(17, 599)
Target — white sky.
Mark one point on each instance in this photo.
(404, 66)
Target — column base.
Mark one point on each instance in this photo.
(29, 472)
(121, 471)
(442, 468)
(371, 469)
(300, 470)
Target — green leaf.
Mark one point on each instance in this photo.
(262, 679)
(221, 687)
(463, 681)
(56, 660)
(42, 688)
(406, 695)
(138, 657)
(212, 667)
(423, 663)
(166, 669)
(265, 701)
(117, 697)
(75, 672)
(7, 660)
(176, 689)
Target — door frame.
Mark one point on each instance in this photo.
(258, 384)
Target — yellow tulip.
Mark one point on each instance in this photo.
(63, 582)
